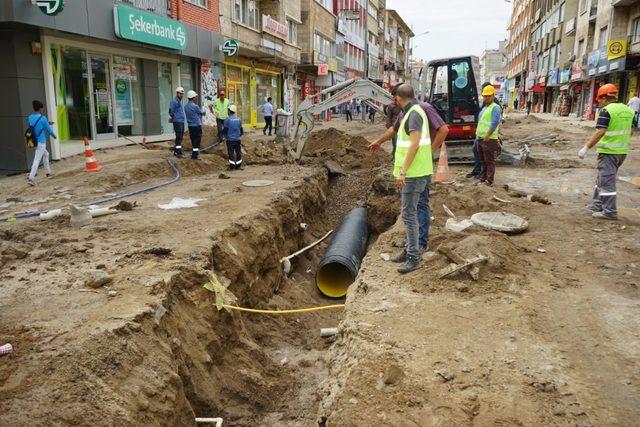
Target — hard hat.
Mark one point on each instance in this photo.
(179, 89)
(191, 94)
(488, 91)
(608, 89)
(233, 109)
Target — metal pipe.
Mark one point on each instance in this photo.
(339, 266)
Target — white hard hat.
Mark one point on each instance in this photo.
(191, 94)
(179, 89)
(233, 109)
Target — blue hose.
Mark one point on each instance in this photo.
(30, 214)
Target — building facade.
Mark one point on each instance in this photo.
(104, 69)
(352, 23)
(518, 52)
(264, 66)
(493, 68)
(373, 50)
(397, 49)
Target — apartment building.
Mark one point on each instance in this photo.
(518, 52)
(493, 68)
(607, 50)
(321, 59)
(266, 33)
(397, 49)
(352, 24)
(103, 68)
(375, 29)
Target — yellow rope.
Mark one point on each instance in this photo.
(299, 310)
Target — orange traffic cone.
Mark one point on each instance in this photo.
(91, 164)
(442, 173)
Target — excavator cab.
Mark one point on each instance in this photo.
(451, 87)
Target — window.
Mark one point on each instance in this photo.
(201, 3)
(246, 12)
(293, 32)
(581, 48)
(372, 10)
(583, 6)
(635, 30)
(604, 35)
(561, 17)
(327, 4)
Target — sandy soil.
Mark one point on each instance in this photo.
(542, 338)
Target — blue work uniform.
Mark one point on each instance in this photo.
(232, 132)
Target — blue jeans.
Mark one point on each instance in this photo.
(477, 166)
(411, 194)
(424, 215)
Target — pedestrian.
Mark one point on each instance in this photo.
(268, 116)
(358, 106)
(41, 127)
(413, 167)
(529, 106)
(232, 133)
(438, 131)
(194, 115)
(611, 139)
(348, 108)
(487, 135)
(221, 111)
(372, 115)
(392, 110)
(177, 117)
(634, 104)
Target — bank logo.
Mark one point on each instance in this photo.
(50, 7)
(181, 37)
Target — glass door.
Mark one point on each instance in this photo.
(101, 97)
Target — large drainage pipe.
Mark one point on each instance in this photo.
(339, 266)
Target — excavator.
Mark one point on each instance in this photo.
(367, 91)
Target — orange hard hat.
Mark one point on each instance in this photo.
(607, 89)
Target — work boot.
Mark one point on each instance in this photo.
(410, 265)
(178, 153)
(401, 257)
(31, 182)
(602, 215)
(473, 175)
(594, 208)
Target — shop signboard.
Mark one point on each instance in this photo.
(333, 64)
(616, 49)
(323, 69)
(230, 48)
(144, 27)
(599, 62)
(275, 28)
(50, 7)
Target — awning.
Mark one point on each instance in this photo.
(537, 89)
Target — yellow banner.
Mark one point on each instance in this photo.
(616, 49)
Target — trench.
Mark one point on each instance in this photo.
(253, 369)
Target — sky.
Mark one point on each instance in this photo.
(456, 27)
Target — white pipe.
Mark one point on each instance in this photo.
(218, 421)
(328, 332)
(54, 213)
(102, 212)
(307, 248)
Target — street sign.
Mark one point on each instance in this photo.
(230, 47)
(140, 26)
(50, 7)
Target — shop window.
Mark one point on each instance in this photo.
(165, 87)
(635, 30)
(128, 95)
(266, 86)
(604, 35)
(71, 80)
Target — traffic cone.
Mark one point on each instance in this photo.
(91, 164)
(442, 172)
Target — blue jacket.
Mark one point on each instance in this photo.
(42, 129)
(233, 128)
(176, 110)
(193, 113)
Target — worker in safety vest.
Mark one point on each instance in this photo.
(413, 168)
(221, 111)
(611, 139)
(487, 135)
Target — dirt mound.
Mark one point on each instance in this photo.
(347, 150)
(532, 119)
(537, 162)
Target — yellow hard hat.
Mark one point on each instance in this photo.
(488, 91)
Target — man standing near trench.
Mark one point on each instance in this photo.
(413, 168)
(438, 131)
(612, 137)
(177, 117)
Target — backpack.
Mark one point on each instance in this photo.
(30, 136)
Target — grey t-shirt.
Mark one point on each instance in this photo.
(414, 121)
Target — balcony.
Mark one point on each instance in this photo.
(570, 27)
(622, 3)
(593, 13)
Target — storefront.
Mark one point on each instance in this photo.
(109, 78)
(248, 86)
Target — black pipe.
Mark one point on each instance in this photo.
(339, 266)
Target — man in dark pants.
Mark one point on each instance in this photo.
(268, 116)
(487, 137)
(348, 106)
(232, 133)
(221, 109)
(438, 131)
(611, 139)
(477, 161)
(177, 117)
(528, 106)
(393, 111)
(194, 120)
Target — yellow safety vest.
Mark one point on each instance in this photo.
(618, 136)
(484, 124)
(222, 109)
(422, 164)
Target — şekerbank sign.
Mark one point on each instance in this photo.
(140, 26)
